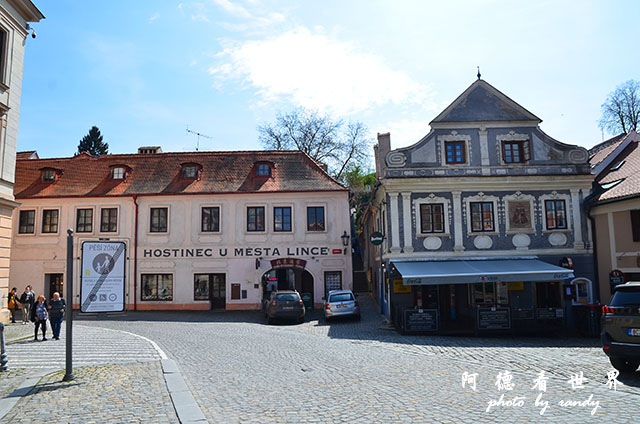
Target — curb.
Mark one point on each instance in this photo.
(7, 403)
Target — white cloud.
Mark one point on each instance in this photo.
(154, 17)
(405, 132)
(314, 70)
(234, 9)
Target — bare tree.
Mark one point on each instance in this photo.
(341, 147)
(621, 110)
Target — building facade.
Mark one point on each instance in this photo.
(205, 230)
(476, 219)
(615, 210)
(14, 16)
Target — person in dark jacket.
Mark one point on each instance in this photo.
(56, 314)
(13, 304)
(27, 299)
(39, 315)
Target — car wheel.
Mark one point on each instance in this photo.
(624, 364)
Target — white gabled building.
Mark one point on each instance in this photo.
(202, 230)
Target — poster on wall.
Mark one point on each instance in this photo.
(102, 278)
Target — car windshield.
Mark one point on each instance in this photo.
(341, 297)
(626, 298)
(287, 296)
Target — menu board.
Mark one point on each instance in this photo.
(419, 320)
(494, 318)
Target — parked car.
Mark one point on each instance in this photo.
(340, 303)
(284, 304)
(621, 327)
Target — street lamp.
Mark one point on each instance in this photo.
(345, 241)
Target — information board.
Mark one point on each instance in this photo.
(494, 318)
(103, 275)
(419, 320)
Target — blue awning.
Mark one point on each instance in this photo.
(478, 271)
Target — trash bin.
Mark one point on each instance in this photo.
(306, 299)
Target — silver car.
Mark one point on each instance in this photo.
(340, 303)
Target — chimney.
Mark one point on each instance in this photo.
(381, 149)
(149, 150)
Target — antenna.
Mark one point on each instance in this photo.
(198, 135)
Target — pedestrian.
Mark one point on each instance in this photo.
(39, 316)
(13, 304)
(56, 314)
(27, 299)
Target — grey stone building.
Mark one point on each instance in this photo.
(477, 218)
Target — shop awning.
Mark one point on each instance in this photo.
(478, 271)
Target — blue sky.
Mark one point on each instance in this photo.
(144, 70)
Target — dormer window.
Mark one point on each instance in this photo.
(118, 173)
(263, 170)
(48, 175)
(191, 171)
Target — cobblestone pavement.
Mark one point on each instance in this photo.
(242, 370)
(98, 394)
(118, 379)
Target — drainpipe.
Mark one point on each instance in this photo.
(135, 255)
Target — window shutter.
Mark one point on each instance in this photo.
(635, 224)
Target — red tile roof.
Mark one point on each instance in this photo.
(628, 172)
(222, 172)
(600, 151)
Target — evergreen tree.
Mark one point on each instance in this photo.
(92, 143)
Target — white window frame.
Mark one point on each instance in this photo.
(207, 205)
(481, 197)
(454, 136)
(432, 199)
(543, 212)
(161, 206)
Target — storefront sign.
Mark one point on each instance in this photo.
(398, 287)
(494, 318)
(522, 313)
(102, 279)
(419, 320)
(376, 238)
(549, 313)
(288, 263)
(237, 252)
(516, 285)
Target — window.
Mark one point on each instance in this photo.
(635, 224)
(556, 214)
(282, 219)
(201, 287)
(3, 54)
(482, 216)
(255, 218)
(490, 293)
(84, 220)
(117, 173)
(332, 281)
(263, 170)
(50, 221)
(210, 219)
(513, 151)
(157, 287)
(49, 175)
(455, 151)
(548, 295)
(432, 218)
(27, 222)
(190, 171)
(158, 222)
(315, 218)
(109, 220)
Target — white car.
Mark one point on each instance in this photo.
(340, 303)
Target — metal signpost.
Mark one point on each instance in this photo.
(103, 272)
(68, 310)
